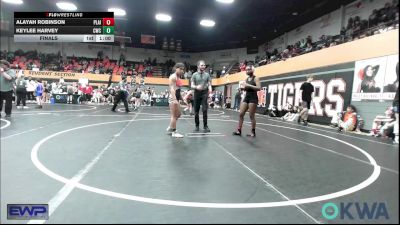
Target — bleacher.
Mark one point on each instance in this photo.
(234, 69)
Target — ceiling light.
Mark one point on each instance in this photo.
(225, 1)
(163, 17)
(295, 13)
(117, 11)
(16, 2)
(207, 23)
(66, 6)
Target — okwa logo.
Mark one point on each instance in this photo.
(355, 210)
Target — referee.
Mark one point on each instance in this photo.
(201, 84)
(122, 95)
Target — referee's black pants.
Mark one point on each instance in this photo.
(121, 96)
(200, 99)
(6, 96)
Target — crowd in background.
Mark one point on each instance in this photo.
(380, 20)
(37, 61)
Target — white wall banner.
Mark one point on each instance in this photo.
(376, 79)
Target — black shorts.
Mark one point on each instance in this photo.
(250, 99)
(306, 104)
(178, 96)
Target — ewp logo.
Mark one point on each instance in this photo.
(27, 211)
(375, 211)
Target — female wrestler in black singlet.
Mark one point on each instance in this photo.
(250, 100)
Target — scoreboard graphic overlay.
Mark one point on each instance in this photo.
(64, 27)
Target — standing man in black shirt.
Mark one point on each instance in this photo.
(306, 96)
(201, 84)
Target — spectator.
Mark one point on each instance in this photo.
(303, 44)
(293, 113)
(309, 47)
(373, 18)
(306, 96)
(357, 27)
(395, 105)
(349, 29)
(346, 121)
(61, 81)
(21, 85)
(272, 111)
(7, 78)
(381, 123)
(121, 60)
(30, 89)
(70, 93)
(237, 99)
(46, 92)
(39, 94)
(309, 39)
(385, 13)
(286, 109)
(296, 50)
(223, 71)
(333, 43)
(350, 23)
(228, 103)
(242, 66)
(97, 96)
(211, 71)
(89, 92)
(342, 34)
(285, 54)
(141, 68)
